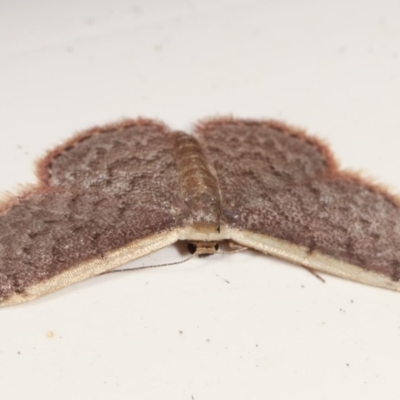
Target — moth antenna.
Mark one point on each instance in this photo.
(149, 266)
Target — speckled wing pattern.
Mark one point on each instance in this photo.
(116, 193)
(282, 193)
(107, 196)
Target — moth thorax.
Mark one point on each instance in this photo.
(203, 248)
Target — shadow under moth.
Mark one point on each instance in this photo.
(115, 193)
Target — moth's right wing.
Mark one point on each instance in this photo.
(107, 196)
(282, 194)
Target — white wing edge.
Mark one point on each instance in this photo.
(87, 269)
(263, 243)
(314, 260)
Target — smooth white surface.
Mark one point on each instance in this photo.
(242, 326)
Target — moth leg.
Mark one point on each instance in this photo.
(232, 246)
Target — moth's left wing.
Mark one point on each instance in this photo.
(107, 196)
(283, 194)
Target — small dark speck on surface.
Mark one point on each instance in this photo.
(223, 279)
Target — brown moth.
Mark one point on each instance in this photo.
(115, 193)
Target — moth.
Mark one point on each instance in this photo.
(118, 192)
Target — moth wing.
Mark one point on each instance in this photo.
(283, 194)
(107, 196)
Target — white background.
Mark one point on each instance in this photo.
(182, 332)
